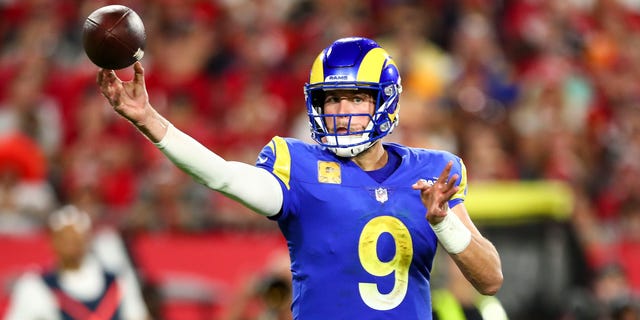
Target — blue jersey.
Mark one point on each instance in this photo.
(359, 249)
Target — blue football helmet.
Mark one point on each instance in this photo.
(353, 64)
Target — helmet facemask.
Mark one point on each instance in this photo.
(352, 143)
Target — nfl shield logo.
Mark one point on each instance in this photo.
(381, 195)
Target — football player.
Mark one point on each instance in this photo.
(362, 218)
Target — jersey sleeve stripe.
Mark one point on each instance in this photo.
(463, 183)
(282, 164)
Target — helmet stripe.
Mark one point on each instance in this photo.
(372, 65)
(317, 70)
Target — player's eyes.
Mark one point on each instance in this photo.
(357, 99)
(331, 99)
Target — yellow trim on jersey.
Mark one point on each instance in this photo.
(282, 164)
(463, 182)
(317, 71)
(371, 66)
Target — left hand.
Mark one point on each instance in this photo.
(435, 197)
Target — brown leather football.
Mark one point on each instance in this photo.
(113, 37)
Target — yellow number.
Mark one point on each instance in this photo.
(399, 265)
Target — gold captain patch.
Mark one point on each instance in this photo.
(329, 172)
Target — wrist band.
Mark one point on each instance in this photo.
(452, 233)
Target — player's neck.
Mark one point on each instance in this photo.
(373, 158)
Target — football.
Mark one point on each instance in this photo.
(113, 37)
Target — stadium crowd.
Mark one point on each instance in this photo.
(520, 89)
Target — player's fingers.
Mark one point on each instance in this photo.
(420, 184)
(451, 183)
(103, 83)
(110, 88)
(108, 78)
(452, 192)
(453, 179)
(103, 78)
(444, 175)
(109, 83)
(138, 77)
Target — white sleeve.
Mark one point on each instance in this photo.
(31, 299)
(133, 305)
(254, 187)
(110, 250)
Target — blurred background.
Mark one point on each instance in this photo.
(541, 99)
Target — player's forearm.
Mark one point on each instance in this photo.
(476, 256)
(254, 187)
(480, 264)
